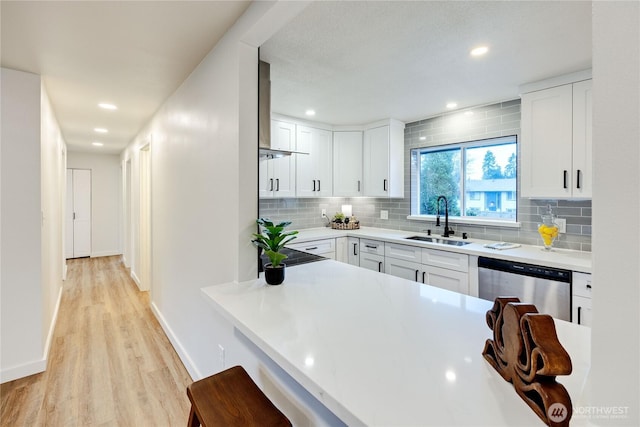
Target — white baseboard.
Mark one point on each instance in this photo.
(52, 327)
(21, 371)
(136, 280)
(105, 253)
(36, 366)
(182, 354)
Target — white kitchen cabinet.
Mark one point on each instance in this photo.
(277, 176)
(409, 270)
(353, 250)
(447, 270)
(581, 299)
(556, 142)
(383, 160)
(314, 171)
(347, 163)
(444, 278)
(323, 247)
(372, 255)
(342, 249)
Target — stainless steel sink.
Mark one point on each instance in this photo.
(438, 240)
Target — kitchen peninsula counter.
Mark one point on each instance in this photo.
(380, 350)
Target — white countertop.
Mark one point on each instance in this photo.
(380, 350)
(558, 258)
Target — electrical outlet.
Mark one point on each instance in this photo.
(562, 225)
(221, 355)
(324, 213)
(384, 214)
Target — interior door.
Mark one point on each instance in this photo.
(68, 232)
(78, 213)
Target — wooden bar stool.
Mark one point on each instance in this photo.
(231, 398)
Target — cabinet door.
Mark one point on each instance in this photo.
(347, 164)
(316, 247)
(404, 252)
(405, 269)
(376, 162)
(582, 145)
(277, 177)
(581, 310)
(314, 171)
(353, 251)
(547, 133)
(372, 261)
(342, 249)
(456, 281)
(444, 259)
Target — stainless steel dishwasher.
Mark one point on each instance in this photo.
(549, 289)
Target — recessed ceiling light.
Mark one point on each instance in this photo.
(100, 130)
(310, 113)
(97, 144)
(423, 138)
(452, 105)
(479, 51)
(107, 106)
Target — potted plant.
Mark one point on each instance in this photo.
(271, 240)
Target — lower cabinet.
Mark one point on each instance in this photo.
(372, 255)
(443, 269)
(581, 299)
(353, 251)
(342, 249)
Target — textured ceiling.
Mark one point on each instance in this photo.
(356, 62)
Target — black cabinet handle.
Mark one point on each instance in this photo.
(311, 249)
(423, 274)
(314, 185)
(277, 184)
(588, 286)
(354, 249)
(318, 185)
(271, 184)
(380, 267)
(417, 271)
(370, 246)
(358, 186)
(565, 179)
(579, 312)
(578, 179)
(384, 185)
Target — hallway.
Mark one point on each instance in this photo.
(110, 362)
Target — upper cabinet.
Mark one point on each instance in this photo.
(347, 163)
(383, 160)
(314, 171)
(556, 142)
(277, 177)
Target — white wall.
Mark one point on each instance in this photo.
(106, 199)
(31, 227)
(615, 372)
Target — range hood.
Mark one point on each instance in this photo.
(264, 116)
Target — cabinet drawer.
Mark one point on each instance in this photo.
(582, 284)
(444, 259)
(317, 247)
(405, 252)
(371, 246)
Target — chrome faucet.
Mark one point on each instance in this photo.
(447, 231)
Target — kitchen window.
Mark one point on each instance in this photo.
(478, 178)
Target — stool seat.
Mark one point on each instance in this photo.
(231, 398)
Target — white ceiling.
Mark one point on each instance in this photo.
(130, 53)
(353, 62)
(356, 62)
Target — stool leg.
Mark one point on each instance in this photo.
(193, 418)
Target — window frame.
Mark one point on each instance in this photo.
(462, 146)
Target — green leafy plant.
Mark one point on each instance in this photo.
(338, 217)
(272, 239)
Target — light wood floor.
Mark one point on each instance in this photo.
(110, 362)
